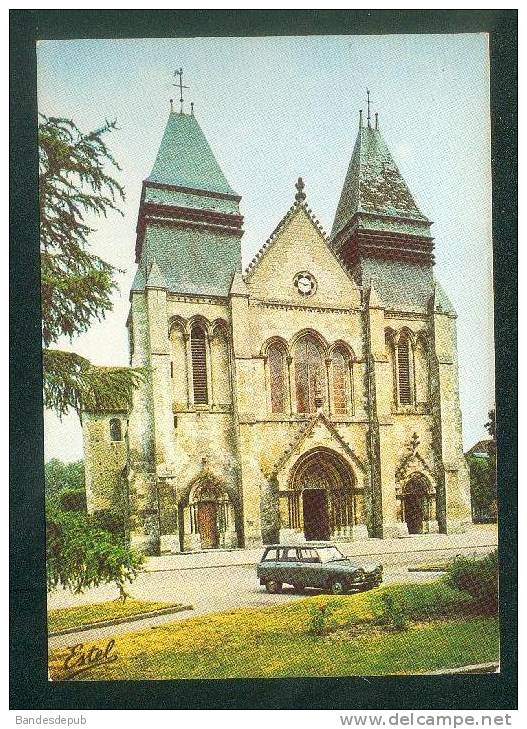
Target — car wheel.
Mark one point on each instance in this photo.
(337, 587)
(298, 588)
(273, 586)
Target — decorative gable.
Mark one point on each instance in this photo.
(297, 266)
(318, 432)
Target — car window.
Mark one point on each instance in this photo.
(270, 556)
(309, 555)
(331, 554)
(288, 555)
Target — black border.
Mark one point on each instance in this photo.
(29, 688)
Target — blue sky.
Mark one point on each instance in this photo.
(276, 108)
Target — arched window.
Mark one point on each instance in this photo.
(309, 375)
(277, 378)
(403, 365)
(198, 348)
(390, 354)
(116, 431)
(422, 373)
(219, 352)
(178, 365)
(341, 382)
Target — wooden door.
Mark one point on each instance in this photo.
(316, 515)
(208, 524)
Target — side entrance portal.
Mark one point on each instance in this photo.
(316, 514)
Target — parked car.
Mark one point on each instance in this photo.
(315, 564)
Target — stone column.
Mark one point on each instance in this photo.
(144, 518)
(453, 492)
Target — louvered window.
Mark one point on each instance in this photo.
(403, 362)
(198, 348)
(277, 379)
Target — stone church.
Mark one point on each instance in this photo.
(313, 396)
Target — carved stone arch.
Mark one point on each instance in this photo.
(274, 341)
(221, 327)
(178, 323)
(421, 476)
(209, 512)
(416, 502)
(314, 335)
(408, 333)
(199, 320)
(422, 339)
(342, 346)
(323, 496)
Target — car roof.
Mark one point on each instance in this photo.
(318, 545)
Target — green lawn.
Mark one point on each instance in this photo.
(75, 617)
(277, 641)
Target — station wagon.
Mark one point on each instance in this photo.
(315, 564)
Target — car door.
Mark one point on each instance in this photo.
(310, 572)
(289, 565)
(268, 565)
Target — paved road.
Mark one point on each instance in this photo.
(215, 589)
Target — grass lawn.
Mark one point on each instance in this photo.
(75, 617)
(277, 641)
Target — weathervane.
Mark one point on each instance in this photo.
(181, 87)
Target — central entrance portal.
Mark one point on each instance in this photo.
(316, 514)
(322, 500)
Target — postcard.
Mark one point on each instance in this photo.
(267, 316)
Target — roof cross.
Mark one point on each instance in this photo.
(368, 102)
(300, 194)
(181, 87)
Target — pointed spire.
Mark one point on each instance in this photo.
(374, 186)
(441, 304)
(238, 285)
(185, 158)
(155, 278)
(374, 300)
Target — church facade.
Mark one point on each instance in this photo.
(312, 396)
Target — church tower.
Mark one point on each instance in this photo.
(187, 252)
(384, 241)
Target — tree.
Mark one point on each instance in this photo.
(60, 476)
(77, 285)
(65, 485)
(79, 555)
(490, 425)
(483, 487)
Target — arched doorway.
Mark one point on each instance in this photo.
(417, 504)
(211, 515)
(323, 500)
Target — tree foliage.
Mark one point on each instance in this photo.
(60, 476)
(77, 285)
(80, 555)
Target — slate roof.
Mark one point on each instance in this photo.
(185, 158)
(401, 286)
(191, 260)
(374, 185)
(189, 221)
